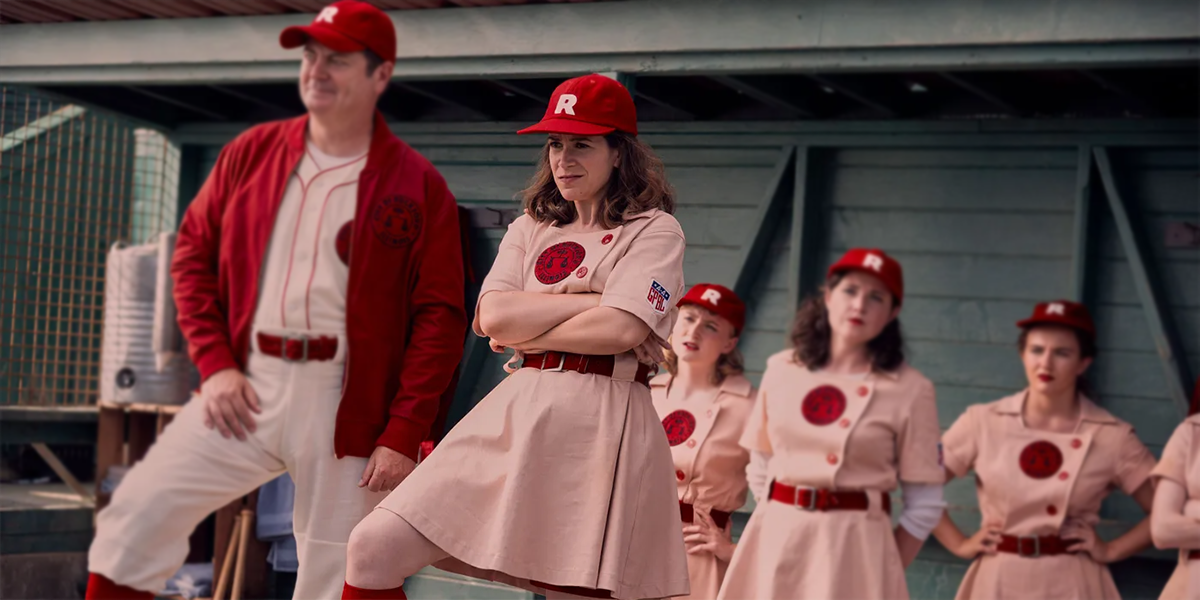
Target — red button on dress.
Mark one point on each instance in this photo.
(679, 475)
(1052, 510)
(1063, 476)
(581, 272)
(1076, 443)
(832, 458)
(863, 391)
(691, 443)
(845, 423)
(606, 240)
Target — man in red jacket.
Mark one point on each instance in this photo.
(319, 282)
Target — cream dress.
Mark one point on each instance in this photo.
(564, 478)
(1181, 463)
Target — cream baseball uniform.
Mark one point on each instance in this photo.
(841, 433)
(710, 465)
(1031, 481)
(303, 292)
(1181, 463)
(562, 477)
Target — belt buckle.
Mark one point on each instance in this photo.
(562, 360)
(1037, 546)
(283, 354)
(812, 498)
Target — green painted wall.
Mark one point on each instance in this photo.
(982, 222)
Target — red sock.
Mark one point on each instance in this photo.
(350, 592)
(102, 588)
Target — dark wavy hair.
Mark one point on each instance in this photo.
(639, 183)
(1087, 349)
(811, 334)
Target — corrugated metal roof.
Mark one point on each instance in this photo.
(61, 11)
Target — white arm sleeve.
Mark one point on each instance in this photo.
(756, 474)
(923, 506)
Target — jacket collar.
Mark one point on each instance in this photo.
(381, 138)
(1088, 410)
(736, 385)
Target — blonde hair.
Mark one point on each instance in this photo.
(730, 363)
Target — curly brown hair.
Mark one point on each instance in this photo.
(811, 334)
(639, 183)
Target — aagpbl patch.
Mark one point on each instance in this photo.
(658, 297)
(679, 425)
(1041, 459)
(396, 221)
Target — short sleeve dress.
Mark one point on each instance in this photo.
(1181, 463)
(1031, 481)
(564, 478)
(710, 465)
(840, 433)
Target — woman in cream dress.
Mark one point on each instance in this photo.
(1044, 459)
(839, 422)
(704, 401)
(559, 480)
(1175, 520)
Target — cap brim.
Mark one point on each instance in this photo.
(1025, 323)
(296, 36)
(569, 126)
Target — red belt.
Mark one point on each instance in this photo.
(583, 363)
(1194, 555)
(688, 514)
(298, 349)
(1033, 546)
(823, 500)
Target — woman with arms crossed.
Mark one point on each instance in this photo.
(1044, 460)
(559, 480)
(1174, 522)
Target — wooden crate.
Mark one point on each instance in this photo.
(125, 433)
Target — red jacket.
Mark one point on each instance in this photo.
(405, 321)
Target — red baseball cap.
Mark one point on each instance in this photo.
(1061, 312)
(588, 105)
(874, 262)
(347, 26)
(719, 299)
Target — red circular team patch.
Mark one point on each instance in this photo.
(823, 405)
(1041, 459)
(679, 426)
(558, 262)
(342, 242)
(396, 221)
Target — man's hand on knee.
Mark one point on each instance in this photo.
(229, 400)
(385, 470)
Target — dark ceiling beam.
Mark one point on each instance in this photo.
(982, 94)
(271, 106)
(663, 104)
(100, 11)
(520, 91)
(436, 97)
(853, 94)
(1136, 102)
(177, 102)
(763, 96)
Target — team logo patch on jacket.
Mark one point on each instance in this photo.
(1041, 459)
(397, 221)
(679, 425)
(342, 242)
(823, 405)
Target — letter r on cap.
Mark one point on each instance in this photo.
(711, 295)
(1054, 309)
(873, 262)
(326, 15)
(566, 103)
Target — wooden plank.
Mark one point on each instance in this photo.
(1023, 191)
(765, 222)
(110, 448)
(1178, 379)
(952, 158)
(1124, 328)
(715, 226)
(1082, 226)
(61, 470)
(998, 234)
(802, 243)
(1115, 283)
(527, 157)
(1153, 226)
